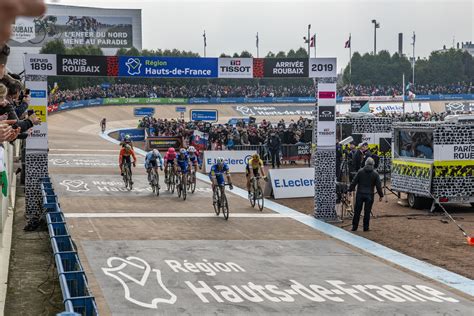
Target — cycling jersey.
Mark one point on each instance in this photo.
(151, 161)
(124, 156)
(182, 161)
(218, 172)
(169, 158)
(253, 166)
(194, 159)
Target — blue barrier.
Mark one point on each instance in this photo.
(77, 297)
(136, 134)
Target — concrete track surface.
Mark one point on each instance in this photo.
(148, 255)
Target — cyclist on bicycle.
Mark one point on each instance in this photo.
(254, 168)
(217, 174)
(151, 162)
(127, 140)
(103, 124)
(124, 158)
(182, 161)
(194, 158)
(170, 156)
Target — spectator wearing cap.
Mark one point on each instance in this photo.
(365, 181)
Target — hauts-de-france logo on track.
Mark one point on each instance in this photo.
(134, 66)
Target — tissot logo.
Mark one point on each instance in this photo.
(235, 62)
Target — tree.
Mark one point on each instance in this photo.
(245, 54)
(54, 47)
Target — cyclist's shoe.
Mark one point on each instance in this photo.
(231, 186)
(121, 173)
(131, 182)
(250, 195)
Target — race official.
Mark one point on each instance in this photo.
(365, 180)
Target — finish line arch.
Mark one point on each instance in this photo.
(39, 66)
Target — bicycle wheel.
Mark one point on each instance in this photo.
(252, 194)
(215, 202)
(128, 174)
(224, 205)
(156, 183)
(184, 186)
(193, 182)
(40, 31)
(259, 197)
(178, 186)
(172, 180)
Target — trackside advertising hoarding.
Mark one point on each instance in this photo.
(38, 140)
(235, 159)
(292, 183)
(235, 68)
(454, 153)
(326, 115)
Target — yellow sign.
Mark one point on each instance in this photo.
(41, 111)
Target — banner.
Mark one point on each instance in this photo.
(204, 115)
(322, 68)
(292, 183)
(69, 65)
(296, 152)
(454, 152)
(168, 67)
(38, 139)
(143, 111)
(40, 64)
(72, 31)
(235, 68)
(236, 159)
(398, 107)
(285, 67)
(357, 105)
(326, 115)
(274, 110)
(379, 98)
(136, 134)
(162, 143)
(459, 107)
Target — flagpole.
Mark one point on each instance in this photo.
(205, 44)
(257, 46)
(314, 42)
(350, 58)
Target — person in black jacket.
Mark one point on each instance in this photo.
(358, 157)
(365, 180)
(274, 146)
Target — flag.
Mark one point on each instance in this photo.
(312, 43)
(3, 173)
(200, 140)
(204, 36)
(55, 88)
(348, 43)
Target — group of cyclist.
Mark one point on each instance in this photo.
(187, 160)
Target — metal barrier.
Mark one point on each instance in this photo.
(77, 297)
(288, 152)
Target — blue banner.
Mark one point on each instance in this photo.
(143, 111)
(136, 134)
(167, 67)
(204, 115)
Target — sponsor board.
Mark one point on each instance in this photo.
(292, 183)
(38, 139)
(457, 106)
(285, 67)
(322, 68)
(454, 152)
(326, 116)
(357, 105)
(180, 109)
(274, 110)
(378, 98)
(72, 31)
(81, 65)
(40, 64)
(236, 160)
(235, 68)
(143, 111)
(398, 107)
(204, 115)
(167, 67)
(162, 143)
(136, 134)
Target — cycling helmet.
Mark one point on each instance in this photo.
(191, 149)
(127, 137)
(182, 151)
(171, 150)
(128, 147)
(220, 161)
(156, 153)
(255, 156)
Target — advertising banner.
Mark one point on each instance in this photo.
(398, 107)
(168, 67)
(143, 111)
(162, 143)
(274, 110)
(235, 68)
(136, 134)
(285, 67)
(40, 64)
(181, 109)
(326, 115)
(236, 159)
(82, 65)
(378, 98)
(292, 183)
(357, 105)
(454, 152)
(322, 68)
(459, 107)
(204, 115)
(38, 139)
(101, 31)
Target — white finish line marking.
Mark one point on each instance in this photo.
(86, 155)
(169, 215)
(79, 149)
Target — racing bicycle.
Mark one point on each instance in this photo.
(256, 193)
(171, 182)
(219, 201)
(127, 176)
(155, 181)
(182, 184)
(192, 180)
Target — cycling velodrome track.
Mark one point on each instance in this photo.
(148, 255)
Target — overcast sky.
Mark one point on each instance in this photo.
(232, 25)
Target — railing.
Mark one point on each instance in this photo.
(288, 152)
(77, 296)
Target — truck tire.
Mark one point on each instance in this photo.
(416, 201)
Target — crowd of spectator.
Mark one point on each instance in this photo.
(213, 90)
(421, 116)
